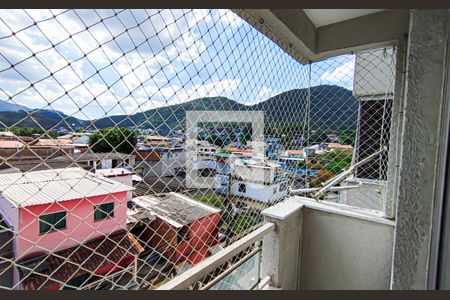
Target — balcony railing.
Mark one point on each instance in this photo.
(199, 271)
(296, 249)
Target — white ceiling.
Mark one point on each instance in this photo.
(322, 17)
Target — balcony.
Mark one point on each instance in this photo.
(258, 124)
(302, 245)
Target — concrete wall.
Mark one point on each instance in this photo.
(259, 192)
(254, 173)
(423, 147)
(165, 164)
(342, 252)
(371, 195)
(9, 213)
(374, 73)
(125, 179)
(6, 253)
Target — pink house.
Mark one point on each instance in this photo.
(57, 209)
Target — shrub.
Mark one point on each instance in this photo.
(243, 222)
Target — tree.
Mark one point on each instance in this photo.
(218, 202)
(216, 140)
(347, 137)
(243, 222)
(121, 140)
(224, 151)
(211, 199)
(80, 130)
(336, 161)
(336, 167)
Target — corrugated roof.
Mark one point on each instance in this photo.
(90, 156)
(176, 209)
(48, 186)
(340, 146)
(11, 144)
(113, 172)
(52, 142)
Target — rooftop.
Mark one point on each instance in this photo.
(340, 146)
(176, 209)
(37, 165)
(255, 163)
(43, 187)
(89, 156)
(11, 144)
(114, 172)
(52, 142)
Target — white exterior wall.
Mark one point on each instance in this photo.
(106, 164)
(259, 192)
(125, 179)
(166, 166)
(374, 73)
(10, 214)
(149, 168)
(254, 173)
(326, 246)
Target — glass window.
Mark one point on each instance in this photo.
(52, 222)
(103, 211)
(244, 277)
(242, 188)
(183, 234)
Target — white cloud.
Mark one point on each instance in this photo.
(167, 68)
(340, 74)
(227, 17)
(265, 92)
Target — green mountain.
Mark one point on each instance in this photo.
(331, 107)
(37, 118)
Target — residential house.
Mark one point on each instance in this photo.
(60, 212)
(178, 227)
(337, 146)
(258, 180)
(223, 172)
(79, 140)
(97, 160)
(16, 150)
(333, 138)
(77, 137)
(120, 175)
(247, 151)
(7, 134)
(159, 141)
(156, 161)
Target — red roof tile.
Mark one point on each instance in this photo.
(11, 144)
(76, 261)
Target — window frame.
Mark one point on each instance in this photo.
(52, 226)
(108, 215)
(183, 234)
(244, 190)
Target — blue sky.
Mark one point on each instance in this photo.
(171, 56)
